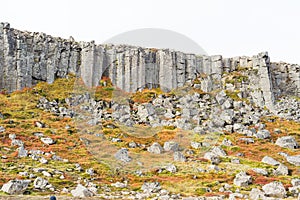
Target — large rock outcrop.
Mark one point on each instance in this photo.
(27, 58)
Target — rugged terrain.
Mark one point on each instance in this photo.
(199, 126)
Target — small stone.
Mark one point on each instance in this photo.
(47, 140)
(45, 173)
(227, 142)
(116, 140)
(119, 185)
(90, 171)
(132, 145)
(235, 160)
(39, 124)
(43, 160)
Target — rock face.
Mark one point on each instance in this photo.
(28, 58)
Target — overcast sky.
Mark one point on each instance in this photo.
(226, 27)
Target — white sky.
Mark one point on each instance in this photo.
(226, 27)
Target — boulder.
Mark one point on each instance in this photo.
(81, 191)
(270, 161)
(178, 156)
(196, 145)
(274, 189)
(263, 134)
(295, 160)
(15, 186)
(219, 151)
(171, 168)
(281, 170)
(242, 179)
(40, 183)
(287, 142)
(122, 155)
(155, 148)
(213, 158)
(256, 194)
(171, 146)
(260, 171)
(22, 152)
(151, 187)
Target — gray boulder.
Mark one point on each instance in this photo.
(274, 189)
(22, 152)
(287, 142)
(122, 155)
(260, 171)
(196, 145)
(15, 186)
(40, 183)
(263, 134)
(270, 161)
(295, 160)
(281, 170)
(256, 194)
(155, 148)
(171, 146)
(178, 156)
(151, 187)
(171, 168)
(81, 191)
(219, 151)
(242, 179)
(213, 158)
(295, 182)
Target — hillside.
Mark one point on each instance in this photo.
(217, 128)
(224, 136)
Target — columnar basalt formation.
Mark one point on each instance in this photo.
(27, 58)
